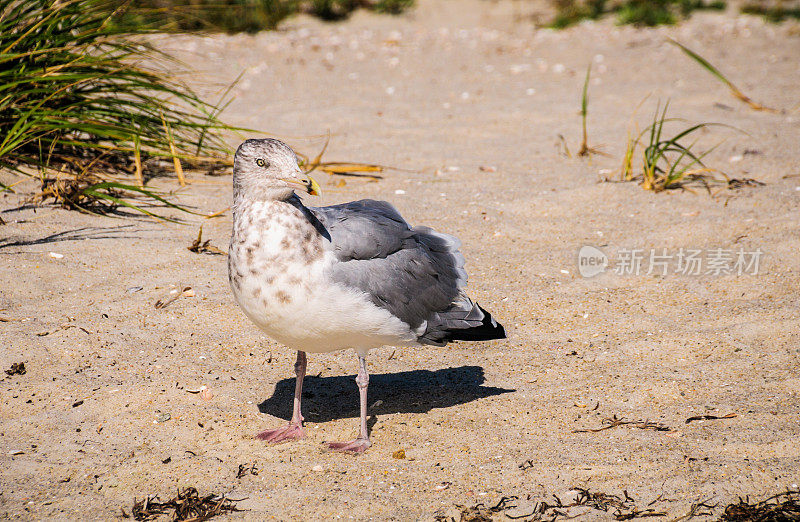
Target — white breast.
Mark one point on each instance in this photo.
(277, 269)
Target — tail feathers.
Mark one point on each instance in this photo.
(487, 330)
(460, 324)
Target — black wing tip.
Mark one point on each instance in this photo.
(488, 330)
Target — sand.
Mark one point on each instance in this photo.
(467, 100)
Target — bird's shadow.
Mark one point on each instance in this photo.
(417, 391)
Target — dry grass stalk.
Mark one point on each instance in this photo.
(218, 213)
(626, 173)
(137, 159)
(367, 171)
(356, 170)
(175, 160)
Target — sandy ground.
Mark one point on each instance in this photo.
(440, 92)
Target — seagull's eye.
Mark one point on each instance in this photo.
(261, 163)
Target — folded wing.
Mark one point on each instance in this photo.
(417, 274)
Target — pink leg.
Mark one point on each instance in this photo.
(295, 428)
(360, 444)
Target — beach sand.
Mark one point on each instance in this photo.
(467, 100)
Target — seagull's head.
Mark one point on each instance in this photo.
(268, 169)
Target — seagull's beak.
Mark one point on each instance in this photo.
(304, 182)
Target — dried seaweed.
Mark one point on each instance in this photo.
(624, 508)
(17, 369)
(187, 506)
(614, 422)
(783, 507)
(621, 508)
(737, 183)
(481, 513)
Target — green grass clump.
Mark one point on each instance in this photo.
(570, 12)
(668, 162)
(647, 12)
(80, 102)
(235, 16)
(772, 12)
(661, 12)
(392, 6)
(651, 12)
(636, 12)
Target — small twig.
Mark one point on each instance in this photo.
(614, 422)
(199, 246)
(710, 417)
(564, 143)
(697, 510)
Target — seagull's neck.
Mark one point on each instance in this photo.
(266, 197)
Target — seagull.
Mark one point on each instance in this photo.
(355, 275)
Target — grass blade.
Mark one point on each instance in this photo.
(714, 71)
(585, 149)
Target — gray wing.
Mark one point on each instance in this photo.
(417, 274)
